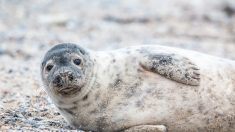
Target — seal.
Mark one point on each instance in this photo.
(141, 88)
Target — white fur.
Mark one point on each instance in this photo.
(209, 106)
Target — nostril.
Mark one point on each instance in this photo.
(57, 81)
(70, 77)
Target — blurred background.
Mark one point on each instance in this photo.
(28, 28)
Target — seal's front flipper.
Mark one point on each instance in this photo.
(147, 128)
(172, 66)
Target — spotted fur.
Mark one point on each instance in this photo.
(148, 88)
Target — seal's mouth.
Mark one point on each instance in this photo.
(68, 90)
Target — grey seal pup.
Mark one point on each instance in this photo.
(142, 88)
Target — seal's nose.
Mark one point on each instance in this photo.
(58, 81)
(63, 77)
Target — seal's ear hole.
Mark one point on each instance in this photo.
(77, 61)
(49, 67)
(82, 51)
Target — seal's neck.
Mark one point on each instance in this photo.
(90, 84)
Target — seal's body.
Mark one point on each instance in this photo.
(144, 88)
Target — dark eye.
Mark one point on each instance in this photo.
(49, 67)
(77, 61)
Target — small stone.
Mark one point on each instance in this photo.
(57, 113)
(37, 119)
(6, 122)
(15, 115)
(44, 110)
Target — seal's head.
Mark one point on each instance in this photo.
(65, 70)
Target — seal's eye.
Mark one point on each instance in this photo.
(49, 67)
(77, 61)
